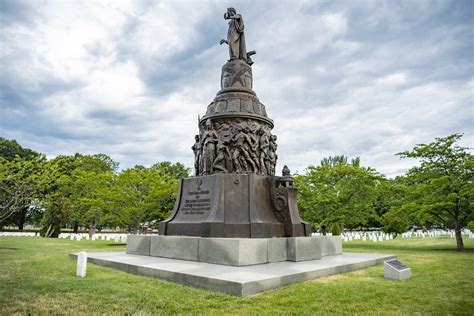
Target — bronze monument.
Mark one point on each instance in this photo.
(235, 192)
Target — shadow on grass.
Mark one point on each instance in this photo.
(5, 249)
(116, 245)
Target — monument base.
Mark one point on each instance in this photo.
(235, 251)
(239, 281)
(235, 206)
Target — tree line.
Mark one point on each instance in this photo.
(89, 191)
(82, 191)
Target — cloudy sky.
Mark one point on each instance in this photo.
(129, 78)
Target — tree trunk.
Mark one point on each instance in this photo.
(92, 228)
(76, 228)
(459, 242)
(20, 218)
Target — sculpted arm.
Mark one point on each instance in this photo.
(234, 17)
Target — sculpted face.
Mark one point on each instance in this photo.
(231, 11)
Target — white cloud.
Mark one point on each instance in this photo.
(129, 78)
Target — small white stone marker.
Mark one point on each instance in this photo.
(81, 264)
(395, 270)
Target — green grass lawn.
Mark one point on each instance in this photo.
(36, 277)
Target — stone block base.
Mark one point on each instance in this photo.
(239, 281)
(235, 251)
(394, 274)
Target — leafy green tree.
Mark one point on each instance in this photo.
(443, 183)
(91, 189)
(21, 183)
(79, 191)
(172, 170)
(394, 207)
(55, 214)
(26, 214)
(470, 225)
(164, 180)
(145, 195)
(19, 180)
(395, 221)
(9, 149)
(337, 192)
(335, 229)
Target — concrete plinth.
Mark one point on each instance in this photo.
(235, 251)
(138, 245)
(304, 248)
(331, 245)
(239, 281)
(176, 247)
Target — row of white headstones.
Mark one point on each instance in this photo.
(119, 238)
(377, 236)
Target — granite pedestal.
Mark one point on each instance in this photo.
(239, 281)
(235, 251)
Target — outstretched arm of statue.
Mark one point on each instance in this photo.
(234, 17)
(223, 41)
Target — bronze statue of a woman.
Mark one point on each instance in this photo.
(236, 37)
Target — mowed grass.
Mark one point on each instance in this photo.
(36, 277)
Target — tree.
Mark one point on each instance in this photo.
(26, 214)
(9, 149)
(20, 170)
(443, 183)
(145, 195)
(79, 190)
(337, 192)
(394, 206)
(21, 182)
(335, 229)
(395, 221)
(172, 170)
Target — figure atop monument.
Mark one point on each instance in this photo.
(236, 37)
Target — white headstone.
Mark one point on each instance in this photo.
(81, 264)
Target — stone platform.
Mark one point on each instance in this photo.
(235, 251)
(239, 281)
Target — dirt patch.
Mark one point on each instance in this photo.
(329, 279)
(6, 249)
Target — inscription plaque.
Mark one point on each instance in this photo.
(397, 265)
(395, 270)
(196, 202)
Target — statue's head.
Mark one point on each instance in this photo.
(208, 124)
(196, 137)
(231, 11)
